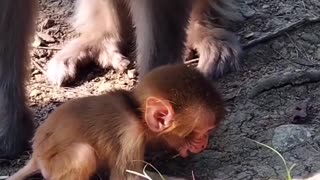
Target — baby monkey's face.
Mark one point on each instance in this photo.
(193, 142)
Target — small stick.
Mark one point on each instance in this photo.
(38, 67)
(193, 178)
(48, 48)
(191, 61)
(278, 32)
(298, 48)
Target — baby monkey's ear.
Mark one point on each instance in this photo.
(158, 114)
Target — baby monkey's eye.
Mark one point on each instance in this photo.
(191, 135)
(194, 135)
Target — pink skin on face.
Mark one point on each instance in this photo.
(198, 144)
(195, 146)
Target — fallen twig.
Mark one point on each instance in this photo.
(48, 48)
(280, 80)
(193, 178)
(293, 61)
(279, 31)
(191, 61)
(304, 53)
(38, 67)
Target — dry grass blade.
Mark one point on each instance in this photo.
(38, 67)
(145, 175)
(288, 170)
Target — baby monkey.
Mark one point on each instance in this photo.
(175, 104)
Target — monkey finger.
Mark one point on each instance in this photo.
(113, 58)
(120, 63)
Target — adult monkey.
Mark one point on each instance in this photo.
(108, 28)
(17, 22)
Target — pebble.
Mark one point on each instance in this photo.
(48, 23)
(289, 136)
(132, 73)
(312, 38)
(247, 11)
(46, 38)
(317, 54)
(35, 92)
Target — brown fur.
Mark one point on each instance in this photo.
(111, 130)
(156, 29)
(16, 28)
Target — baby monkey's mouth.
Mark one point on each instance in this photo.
(185, 153)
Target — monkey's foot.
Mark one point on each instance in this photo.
(15, 134)
(217, 57)
(114, 59)
(61, 70)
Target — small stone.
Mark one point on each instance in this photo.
(310, 37)
(249, 35)
(45, 37)
(37, 41)
(38, 77)
(284, 52)
(248, 1)
(317, 54)
(97, 79)
(122, 82)
(103, 87)
(265, 6)
(247, 11)
(289, 136)
(34, 72)
(118, 86)
(317, 139)
(47, 23)
(42, 54)
(285, 9)
(244, 175)
(132, 73)
(35, 92)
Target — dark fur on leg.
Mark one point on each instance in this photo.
(160, 31)
(16, 26)
(218, 48)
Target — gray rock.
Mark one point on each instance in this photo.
(248, 1)
(310, 38)
(265, 6)
(247, 11)
(289, 136)
(317, 54)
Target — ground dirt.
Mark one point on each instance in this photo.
(256, 103)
